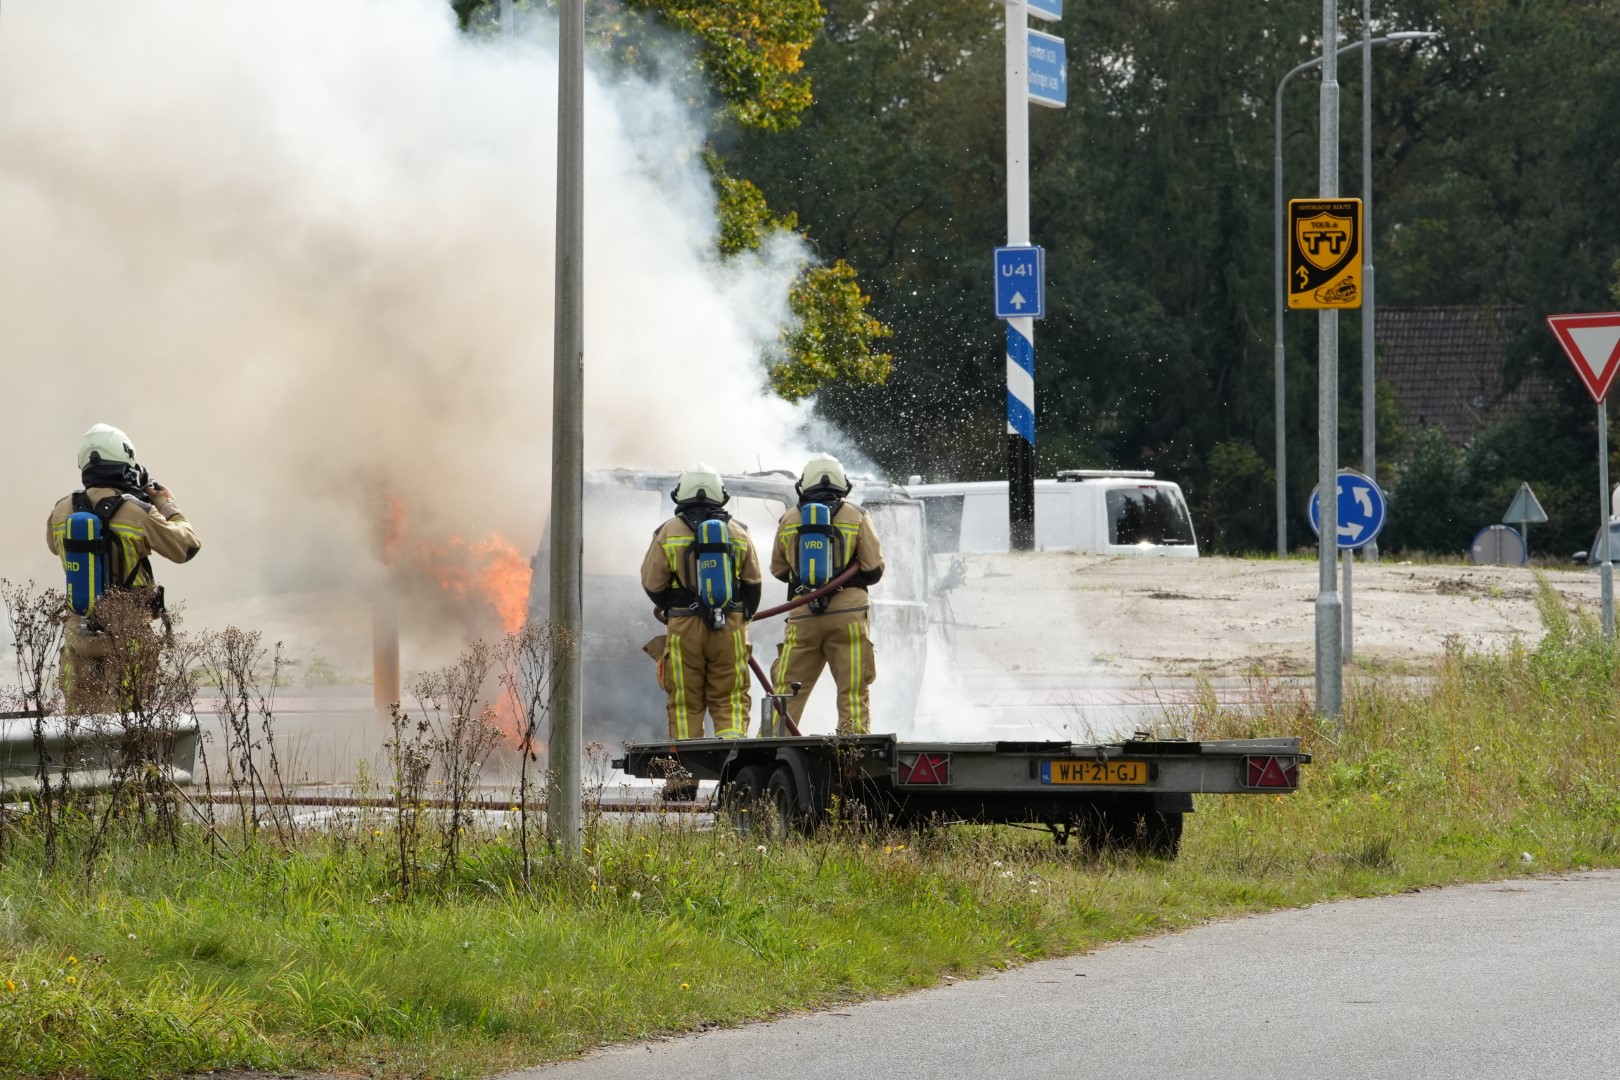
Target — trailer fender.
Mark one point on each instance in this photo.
(743, 755)
(1173, 802)
(808, 779)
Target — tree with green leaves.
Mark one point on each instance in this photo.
(751, 56)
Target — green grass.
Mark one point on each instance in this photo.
(167, 961)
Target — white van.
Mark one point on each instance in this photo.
(1109, 513)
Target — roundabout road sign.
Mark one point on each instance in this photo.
(1362, 510)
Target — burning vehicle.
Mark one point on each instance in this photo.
(622, 508)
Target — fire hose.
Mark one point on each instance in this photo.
(770, 613)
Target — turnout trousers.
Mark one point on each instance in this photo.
(704, 670)
(842, 641)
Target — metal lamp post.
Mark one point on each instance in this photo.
(1277, 260)
(1369, 396)
(564, 816)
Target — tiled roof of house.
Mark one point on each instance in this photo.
(1445, 366)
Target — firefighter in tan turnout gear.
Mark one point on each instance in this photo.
(815, 542)
(702, 570)
(105, 535)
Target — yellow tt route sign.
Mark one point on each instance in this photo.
(1324, 253)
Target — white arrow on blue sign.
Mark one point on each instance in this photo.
(1362, 510)
(1050, 10)
(1020, 282)
(1048, 70)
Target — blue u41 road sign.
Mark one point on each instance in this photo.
(1020, 282)
(1362, 510)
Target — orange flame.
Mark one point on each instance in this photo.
(393, 530)
(486, 577)
(491, 573)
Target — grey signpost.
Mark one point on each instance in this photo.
(1329, 610)
(1606, 569)
(1362, 511)
(1592, 343)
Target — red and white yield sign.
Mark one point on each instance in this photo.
(1592, 343)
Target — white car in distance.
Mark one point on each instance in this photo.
(1124, 512)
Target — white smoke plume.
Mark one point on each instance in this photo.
(302, 253)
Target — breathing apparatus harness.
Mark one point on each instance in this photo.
(821, 545)
(711, 588)
(90, 550)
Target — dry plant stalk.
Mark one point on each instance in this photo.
(527, 659)
(231, 661)
(37, 624)
(140, 677)
(410, 758)
(464, 733)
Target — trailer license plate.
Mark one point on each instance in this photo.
(1094, 772)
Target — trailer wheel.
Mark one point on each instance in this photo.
(1160, 833)
(781, 804)
(1128, 828)
(743, 799)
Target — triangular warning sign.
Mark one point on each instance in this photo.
(1525, 509)
(1592, 343)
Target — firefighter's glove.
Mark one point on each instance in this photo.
(162, 500)
(865, 579)
(750, 595)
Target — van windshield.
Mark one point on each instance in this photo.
(1147, 515)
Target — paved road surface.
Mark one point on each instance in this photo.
(1508, 981)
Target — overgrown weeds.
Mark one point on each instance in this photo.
(321, 955)
(232, 661)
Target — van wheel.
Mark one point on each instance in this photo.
(743, 799)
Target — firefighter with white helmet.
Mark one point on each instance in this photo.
(106, 533)
(702, 571)
(815, 542)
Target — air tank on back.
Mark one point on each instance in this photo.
(623, 507)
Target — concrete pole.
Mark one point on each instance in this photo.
(563, 814)
(1606, 568)
(1329, 614)
(1369, 396)
(1020, 331)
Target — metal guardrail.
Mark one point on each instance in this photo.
(88, 747)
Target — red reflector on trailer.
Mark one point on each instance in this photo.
(1271, 772)
(921, 768)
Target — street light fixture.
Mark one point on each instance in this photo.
(1277, 260)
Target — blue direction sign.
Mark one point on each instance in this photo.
(1048, 70)
(1050, 10)
(1020, 282)
(1362, 510)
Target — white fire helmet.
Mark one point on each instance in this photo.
(701, 481)
(823, 470)
(105, 443)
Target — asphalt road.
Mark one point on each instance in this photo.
(1503, 981)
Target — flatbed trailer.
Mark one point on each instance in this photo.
(1130, 794)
